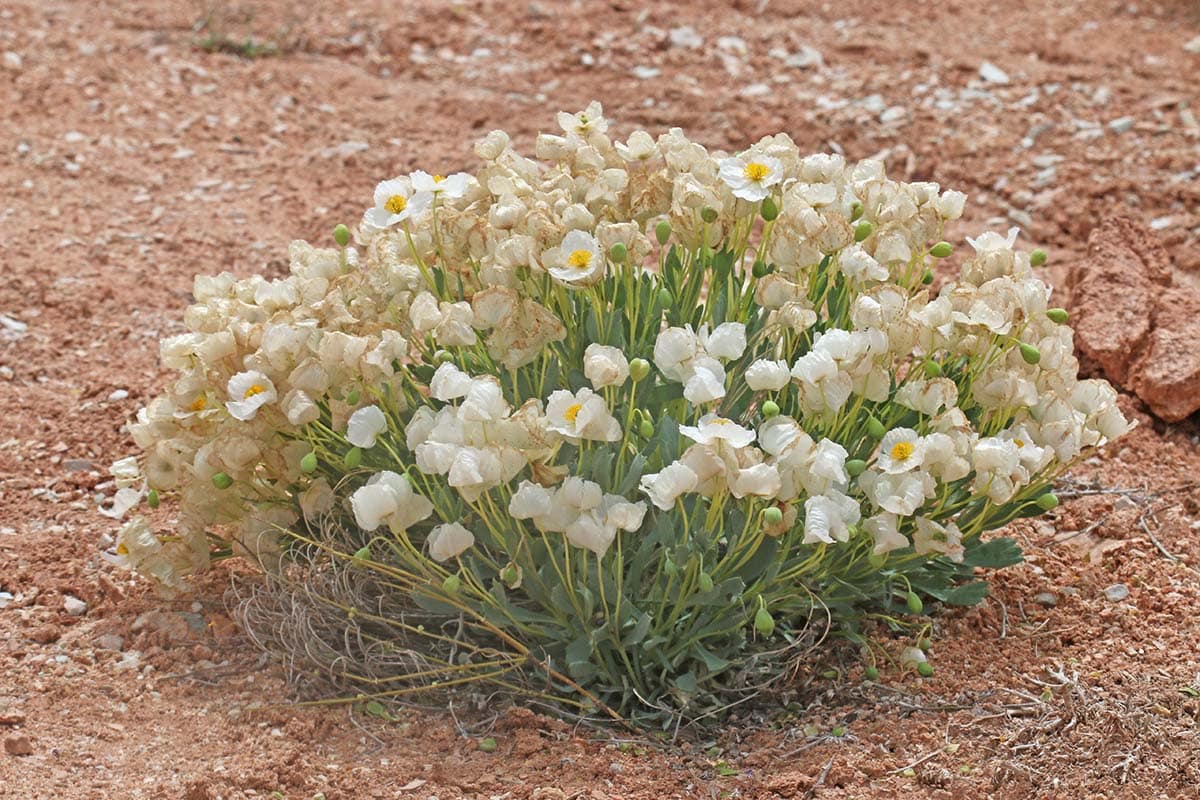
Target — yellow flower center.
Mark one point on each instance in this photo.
(253, 390)
(580, 259)
(200, 403)
(122, 550)
(439, 178)
(572, 412)
(902, 450)
(720, 421)
(396, 204)
(1019, 442)
(756, 172)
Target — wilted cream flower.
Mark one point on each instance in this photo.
(605, 366)
(664, 488)
(364, 425)
(388, 497)
(448, 541)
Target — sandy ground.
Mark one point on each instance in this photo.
(134, 157)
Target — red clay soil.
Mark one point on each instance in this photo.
(143, 144)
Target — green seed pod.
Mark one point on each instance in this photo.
(670, 568)
(925, 644)
(618, 253)
(639, 368)
(443, 357)
(511, 575)
(309, 462)
(927, 277)
(646, 429)
(708, 214)
(353, 396)
(915, 606)
(705, 582)
(769, 209)
(830, 674)
(941, 250)
(856, 211)
(875, 428)
(152, 498)
(352, 458)
(839, 731)
(933, 369)
(871, 673)
(764, 623)
(761, 269)
(1030, 353)
(855, 467)
(1037, 257)
(487, 745)
(452, 584)
(863, 231)
(665, 298)
(1058, 315)
(770, 409)
(925, 669)
(341, 235)
(1047, 501)
(222, 481)
(662, 232)
(772, 515)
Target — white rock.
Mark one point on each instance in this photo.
(13, 325)
(74, 606)
(12, 60)
(686, 37)
(1121, 125)
(992, 74)
(1193, 45)
(893, 114)
(1161, 223)
(645, 73)
(805, 58)
(118, 395)
(733, 44)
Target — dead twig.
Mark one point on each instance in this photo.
(919, 761)
(812, 790)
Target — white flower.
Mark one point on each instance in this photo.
(582, 415)
(759, 480)
(858, 265)
(364, 425)
(766, 375)
(620, 513)
(900, 494)
(248, 392)
(887, 535)
(424, 313)
(901, 450)
(396, 202)
(605, 366)
(530, 501)
(388, 498)
(751, 175)
(123, 501)
(727, 341)
(640, 147)
(582, 261)
(665, 487)
(449, 383)
(583, 123)
(449, 540)
(590, 532)
(930, 537)
(712, 429)
(827, 518)
(450, 187)
(706, 382)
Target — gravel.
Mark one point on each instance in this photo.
(1117, 592)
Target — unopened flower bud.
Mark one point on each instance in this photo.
(511, 575)
(933, 369)
(925, 644)
(770, 409)
(1037, 257)
(352, 458)
(705, 582)
(761, 269)
(665, 298)
(875, 428)
(353, 397)
(152, 498)
(670, 568)
(646, 429)
(1058, 315)
(1030, 353)
(769, 209)
(309, 462)
(925, 669)
(764, 623)
(487, 745)
(927, 277)
(222, 481)
(871, 673)
(708, 214)
(443, 357)
(941, 250)
(856, 210)
(452, 584)
(639, 368)
(855, 467)
(341, 235)
(662, 232)
(863, 231)
(1047, 501)
(915, 606)
(618, 253)
(772, 516)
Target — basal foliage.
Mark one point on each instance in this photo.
(616, 425)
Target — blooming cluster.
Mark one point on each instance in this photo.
(621, 396)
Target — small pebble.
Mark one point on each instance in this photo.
(74, 606)
(992, 74)
(1121, 125)
(110, 641)
(18, 745)
(1047, 599)
(1117, 592)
